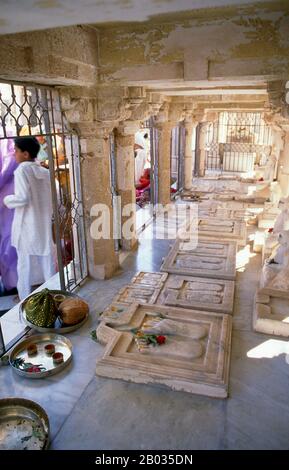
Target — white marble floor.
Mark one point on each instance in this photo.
(90, 412)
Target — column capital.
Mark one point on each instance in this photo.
(276, 94)
(166, 125)
(94, 129)
(155, 102)
(190, 122)
(128, 127)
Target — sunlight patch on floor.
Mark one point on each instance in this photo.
(243, 257)
(269, 349)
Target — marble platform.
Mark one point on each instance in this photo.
(198, 293)
(194, 358)
(202, 258)
(271, 314)
(224, 229)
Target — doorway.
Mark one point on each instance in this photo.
(28, 110)
(146, 173)
(236, 142)
(177, 159)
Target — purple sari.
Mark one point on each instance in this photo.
(8, 256)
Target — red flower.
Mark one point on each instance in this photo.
(270, 230)
(261, 179)
(33, 369)
(161, 339)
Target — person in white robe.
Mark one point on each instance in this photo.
(140, 149)
(32, 226)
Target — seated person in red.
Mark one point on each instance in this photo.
(144, 180)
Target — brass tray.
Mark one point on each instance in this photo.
(58, 327)
(19, 352)
(24, 425)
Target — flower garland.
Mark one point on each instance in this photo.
(20, 364)
(144, 340)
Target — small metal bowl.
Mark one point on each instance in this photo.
(41, 359)
(59, 326)
(24, 425)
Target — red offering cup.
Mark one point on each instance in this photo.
(57, 358)
(49, 349)
(31, 349)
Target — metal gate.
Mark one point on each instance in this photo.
(236, 142)
(154, 154)
(116, 198)
(178, 139)
(36, 111)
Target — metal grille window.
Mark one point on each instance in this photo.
(34, 110)
(154, 159)
(177, 155)
(236, 142)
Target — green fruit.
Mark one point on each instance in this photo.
(40, 309)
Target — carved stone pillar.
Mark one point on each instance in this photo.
(81, 107)
(164, 161)
(202, 148)
(277, 147)
(199, 120)
(125, 168)
(190, 127)
(102, 258)
(284, 166)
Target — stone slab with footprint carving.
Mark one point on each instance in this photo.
(194, 358)
(202, 257)
(198, 293)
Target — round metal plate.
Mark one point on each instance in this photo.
(61, 344)
(24, 425)
(59, 327)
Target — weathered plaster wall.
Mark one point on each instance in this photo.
(208, 44)
(213, 44)
(62, 56)
(57, 13)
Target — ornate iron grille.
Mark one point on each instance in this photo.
(178, 155)
(34, 110)
(154, 157)
(236, 142)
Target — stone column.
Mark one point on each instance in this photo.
(125, 168)
(190, 127)
(94, 141)
(284, 165)
(277, 147)
(201, 151)
(164, 161)
(205, 119)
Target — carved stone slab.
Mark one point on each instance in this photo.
(215, 295)
(219, 186)
(205, 258)
(194, 358)
(274, 288)
(237, 214)
(222, 228)
(251, 199)
(139, 293)
(149, 279)
(267, 218)
(271, 315)
(196, 197)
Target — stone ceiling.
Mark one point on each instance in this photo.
(29, 15)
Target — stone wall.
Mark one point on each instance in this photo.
(119, 74)
(60, 56)
(204, 44)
